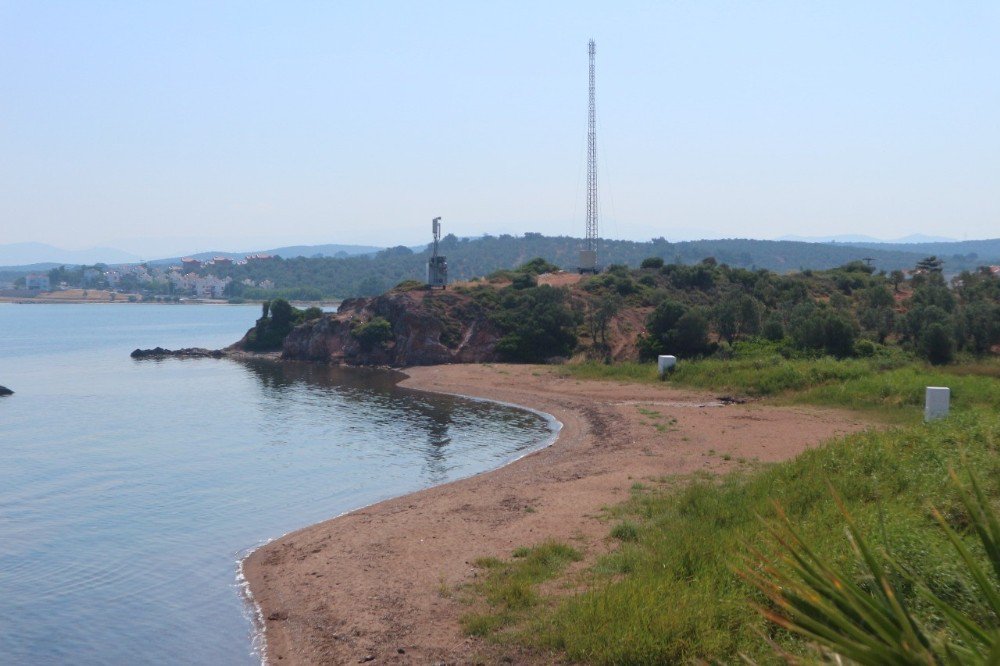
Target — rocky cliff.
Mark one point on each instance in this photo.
(400, 328)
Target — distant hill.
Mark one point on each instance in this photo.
(369, 275)
(28, 268)
(860, 238)
(22, 258)
(341, 271)
(23, 254)
(288, 252)
(988, 249)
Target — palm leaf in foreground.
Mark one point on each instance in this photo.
(869, 622)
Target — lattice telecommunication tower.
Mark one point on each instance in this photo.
(588, 255)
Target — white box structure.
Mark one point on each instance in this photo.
(936, 402)
(666, 363)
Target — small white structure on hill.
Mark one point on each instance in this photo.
(937, 400)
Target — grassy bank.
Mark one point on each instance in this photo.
(883, 384)
(669, 590)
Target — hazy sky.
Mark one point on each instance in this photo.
(248, 123)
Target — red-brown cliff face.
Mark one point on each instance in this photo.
(424, 328)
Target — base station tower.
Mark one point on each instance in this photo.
(588, 255)
(437, 267)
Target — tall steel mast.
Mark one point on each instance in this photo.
(588, 256)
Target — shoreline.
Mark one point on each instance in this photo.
(24, 300)
(254, 611)
(375, 582)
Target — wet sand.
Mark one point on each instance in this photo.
(368, 586)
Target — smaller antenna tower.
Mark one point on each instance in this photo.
(437, 267)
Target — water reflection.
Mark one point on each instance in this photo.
(429, 419)
(128, 489)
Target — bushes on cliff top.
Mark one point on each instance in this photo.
(537, 322)
(674, 328)
(277, 320)
(373, 334)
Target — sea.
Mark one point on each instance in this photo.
(131, 489)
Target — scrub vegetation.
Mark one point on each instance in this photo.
(695, 562)
(869, 548)
(892, 386)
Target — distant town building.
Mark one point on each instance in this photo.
(259, 257)
(189, 264)
(210, 286)
(37, 282)
(222, 261)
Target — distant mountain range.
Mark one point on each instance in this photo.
(39, 256)
(22, 254)
(288, 252)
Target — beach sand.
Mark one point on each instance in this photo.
(368, 586)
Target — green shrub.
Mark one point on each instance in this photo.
(652, 262)
(537, 323)
(373, 334)
(937, 344)
(410, 285)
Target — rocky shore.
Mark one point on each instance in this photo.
(187, 352)
(424, 328)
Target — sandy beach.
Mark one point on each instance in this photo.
(367, 586)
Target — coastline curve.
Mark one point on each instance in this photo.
(253, 609)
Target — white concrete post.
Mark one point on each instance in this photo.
(936, 401)
(666, 364)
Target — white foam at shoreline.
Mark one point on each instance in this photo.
(258, 637)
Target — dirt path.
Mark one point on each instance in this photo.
(367, 586)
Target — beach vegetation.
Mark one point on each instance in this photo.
(508, 588)
(888, 382)
(856, 610)
(674, 593)
(696, 557)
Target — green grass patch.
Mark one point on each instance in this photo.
(671, 594)
(625, 531)
(508, 587)
(886, 385)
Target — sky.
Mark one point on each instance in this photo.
(162, 127)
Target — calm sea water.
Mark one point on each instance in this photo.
(130, 489)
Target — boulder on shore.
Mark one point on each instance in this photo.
(187, 352)
(5, 391)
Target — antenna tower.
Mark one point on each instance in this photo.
(437, 266)
(588, 255)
